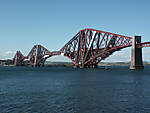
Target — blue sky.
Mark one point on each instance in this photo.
(51, 23)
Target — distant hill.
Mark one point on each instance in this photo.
(6, 62)
(120, 63)
(9, 62)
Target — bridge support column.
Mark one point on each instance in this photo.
(136, 55)
(94, 66)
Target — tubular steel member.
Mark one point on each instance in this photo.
(39, 54)
(86, 49)
(18, 59)
(144, 44)
(89, 46)
(36, 55)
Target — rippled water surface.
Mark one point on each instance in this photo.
(69, 90)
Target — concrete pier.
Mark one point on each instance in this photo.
(136, 55)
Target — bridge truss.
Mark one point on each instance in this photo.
(86, 49)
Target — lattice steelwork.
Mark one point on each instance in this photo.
(18, 59)
(89, 46)
(39, 54)
(144, 44)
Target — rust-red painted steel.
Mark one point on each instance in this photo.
(88, 47)
(108, 33)
(17, 60)
(144, 44)
(36, 56)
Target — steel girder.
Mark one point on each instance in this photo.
(144, 44)
(89, 46)
(18, 58)
(39, 54)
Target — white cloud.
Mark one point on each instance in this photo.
(124, 56)
(146, 54)
(59, 59)
(147, 51)
(120, 56)
(7, 55)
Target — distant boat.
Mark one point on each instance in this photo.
(106, 68)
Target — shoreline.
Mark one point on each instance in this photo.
(68, 64)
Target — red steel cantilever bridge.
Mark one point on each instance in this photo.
(86, 49)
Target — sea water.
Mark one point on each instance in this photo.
(70, 90)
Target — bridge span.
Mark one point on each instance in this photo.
(87, 48)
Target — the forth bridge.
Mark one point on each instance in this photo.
(88, 48)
